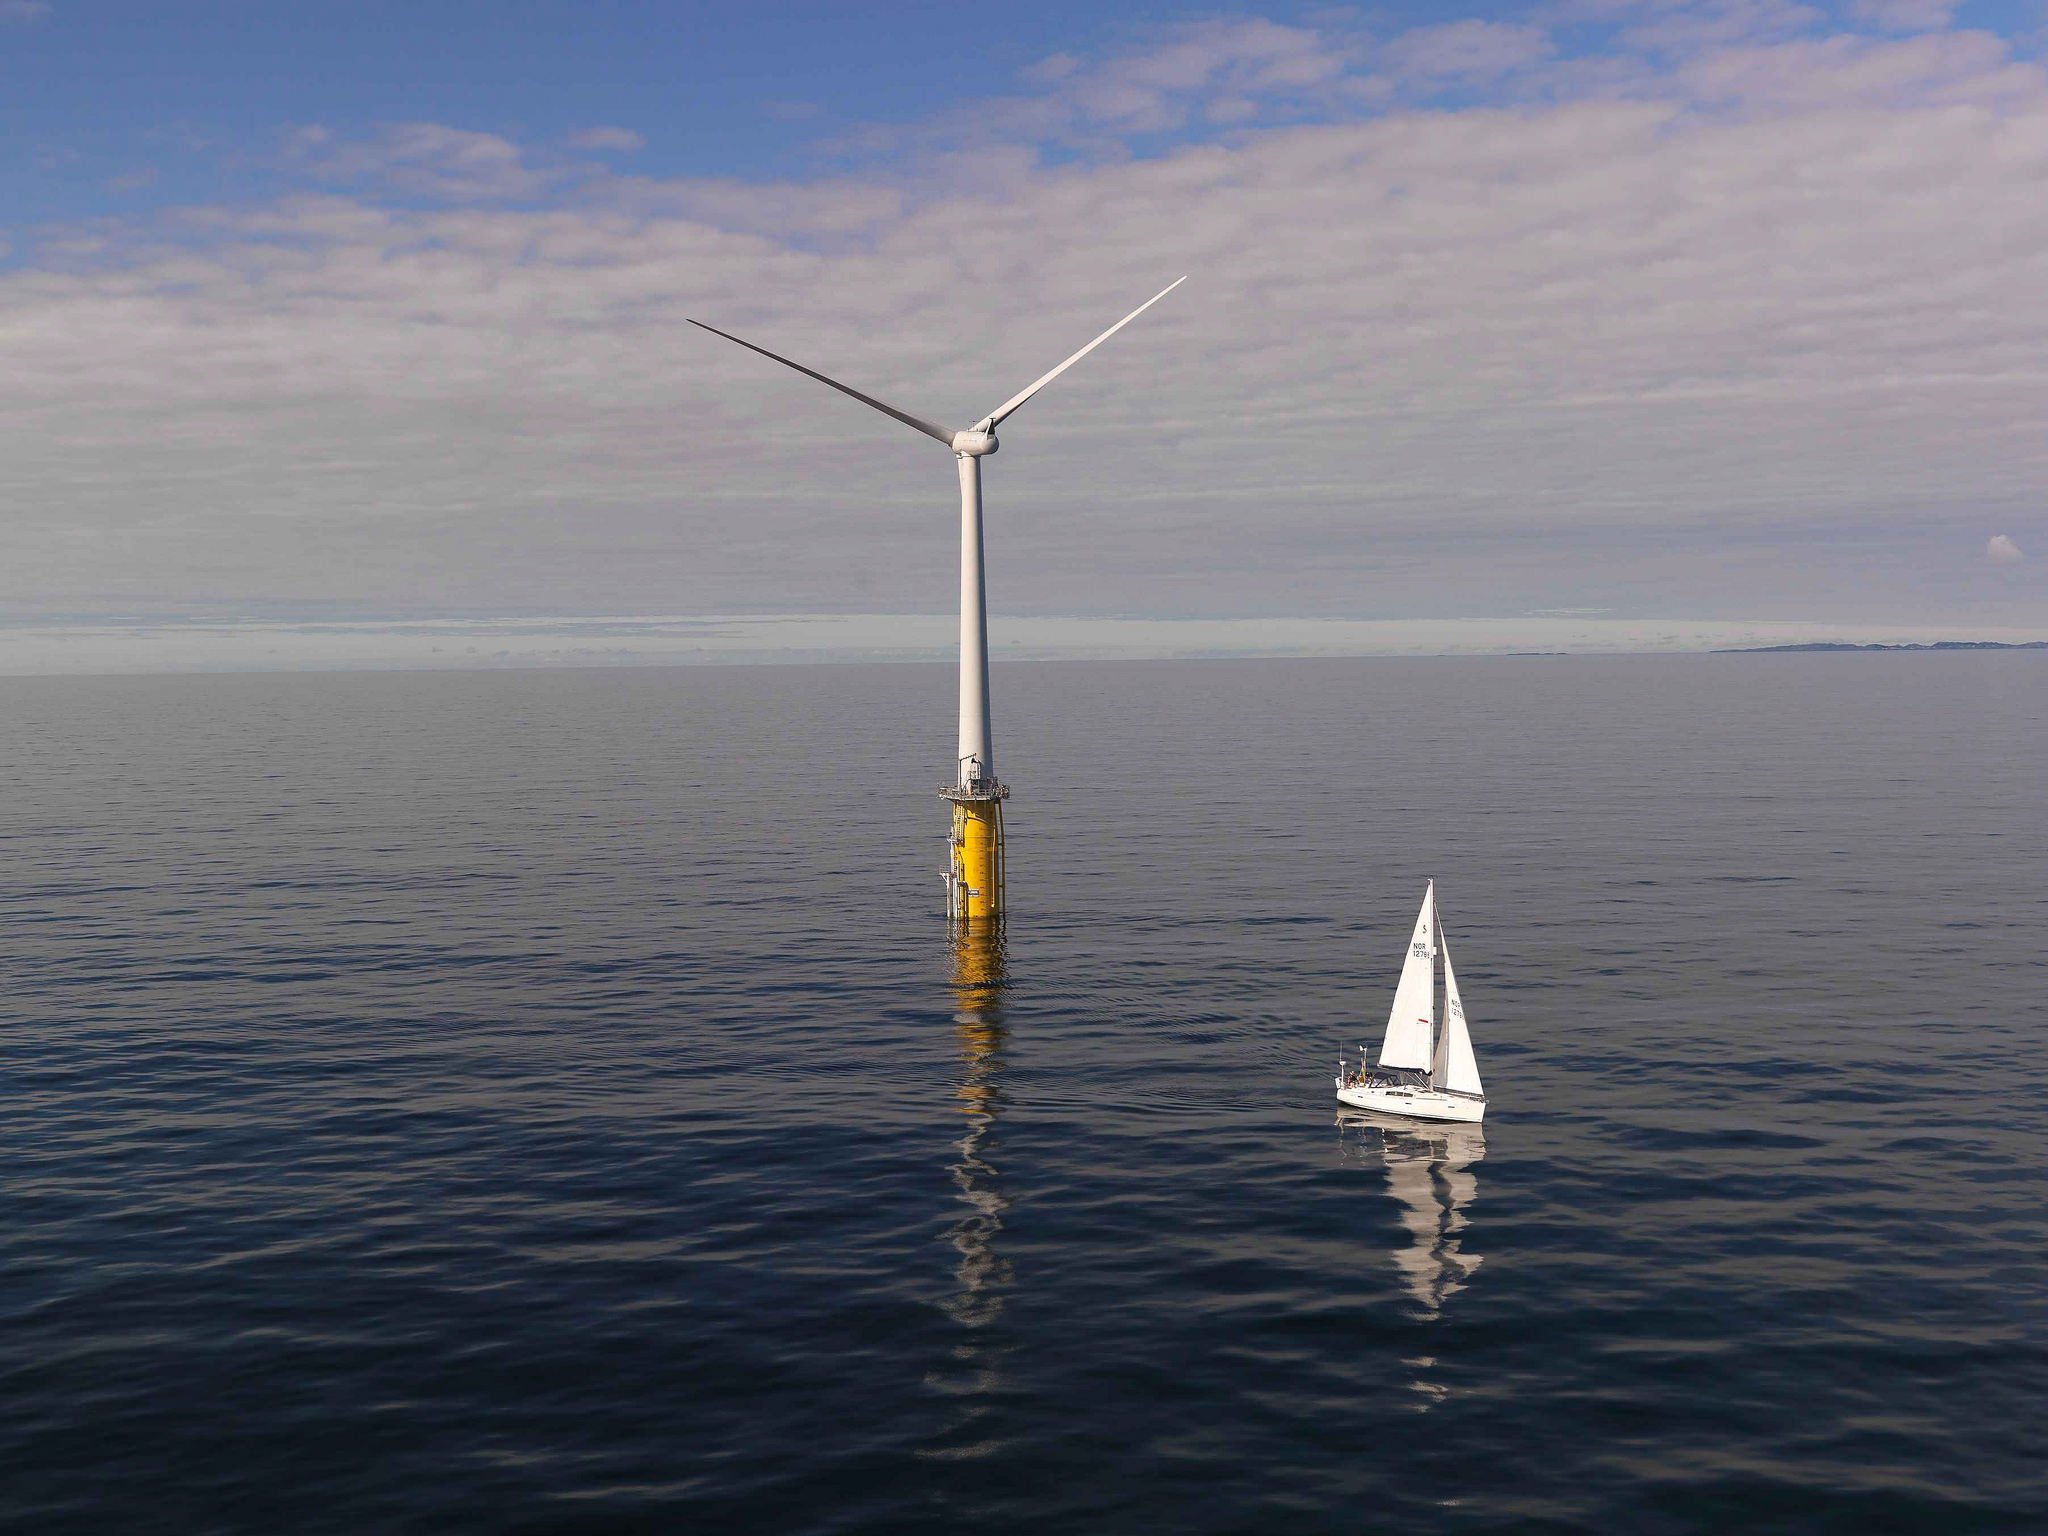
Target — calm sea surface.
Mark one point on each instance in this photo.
(551, 1101)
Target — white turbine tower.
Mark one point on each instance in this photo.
(974, 882)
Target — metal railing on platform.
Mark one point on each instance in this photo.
(975, 790)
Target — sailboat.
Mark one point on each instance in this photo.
(1423, 1073)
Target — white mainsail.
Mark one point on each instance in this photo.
(1411, 1022)
(1455, 1068)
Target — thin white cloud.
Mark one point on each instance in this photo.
(423, 159)
(23, 13)
(1906, 15)
(1673, 28)
(2001, 550)
(1970, 69)
(1467, 52)
(622, 140)
(1051, 69)
(1227, 70)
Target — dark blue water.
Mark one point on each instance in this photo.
(552, 1102)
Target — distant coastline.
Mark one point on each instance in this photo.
(1937, 645)
(136, 644)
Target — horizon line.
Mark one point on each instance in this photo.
(134, 644)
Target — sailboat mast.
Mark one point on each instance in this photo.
(1440, 1017)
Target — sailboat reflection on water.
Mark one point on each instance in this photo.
(1429, 1173)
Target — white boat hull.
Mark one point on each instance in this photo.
(1415, 1103)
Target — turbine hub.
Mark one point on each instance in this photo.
(974, 444)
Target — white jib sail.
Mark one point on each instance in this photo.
(1410, 1023)
(1458, 1070)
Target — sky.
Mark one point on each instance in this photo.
(1613, 312)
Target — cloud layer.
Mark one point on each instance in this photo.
(1738, 314)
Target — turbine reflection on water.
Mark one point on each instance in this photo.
(981, 1275)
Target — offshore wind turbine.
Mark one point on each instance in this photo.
(975, 873)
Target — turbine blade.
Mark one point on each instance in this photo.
(929, 429)
(996, 416)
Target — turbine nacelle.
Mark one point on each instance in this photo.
(975, 442)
